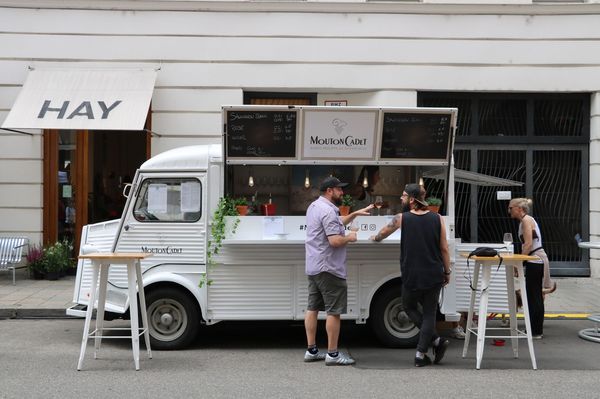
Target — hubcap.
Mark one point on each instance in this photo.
(397, 322)
(168, 319)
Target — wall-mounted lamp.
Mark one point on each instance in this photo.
(421, 183)
(307, 180)
(365, 183)
(250, 178)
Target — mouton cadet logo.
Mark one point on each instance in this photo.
(339, 134)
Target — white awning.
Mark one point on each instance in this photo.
(92, 99)
(478, 179)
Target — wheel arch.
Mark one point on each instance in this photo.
(380, 287)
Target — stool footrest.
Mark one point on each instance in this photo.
(94, 334)
(520, 334)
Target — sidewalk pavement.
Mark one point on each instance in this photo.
(575, 297)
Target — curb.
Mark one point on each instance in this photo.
(19, 313)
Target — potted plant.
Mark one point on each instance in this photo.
(347, 203)
(35, 262)
(218, 230)
(434, 204)
(241, 205)
(57, 259)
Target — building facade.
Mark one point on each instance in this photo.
(523, 75)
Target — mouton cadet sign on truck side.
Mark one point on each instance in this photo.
(272, 158)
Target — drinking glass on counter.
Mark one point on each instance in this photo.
(378, 204)
(508, 240)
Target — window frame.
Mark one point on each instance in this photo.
(139, 199)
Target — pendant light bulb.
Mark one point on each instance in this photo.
(306, 180)
(421, 181)
(251, 181)
(365, 182)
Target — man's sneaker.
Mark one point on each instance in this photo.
(426, 361)
(309, 357)
(340, 360)
(440, 350)
(458, 333)
(537, 336)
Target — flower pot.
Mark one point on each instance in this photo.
(52, 276)
(37, 275)
(242, 210)
(344, 210)
(434, 208)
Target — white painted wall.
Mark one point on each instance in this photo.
(368, 53)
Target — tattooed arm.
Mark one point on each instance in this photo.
(392, 226)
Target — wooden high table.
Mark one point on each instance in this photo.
(487, 264)
(101, 262)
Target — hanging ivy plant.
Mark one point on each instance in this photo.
(218, 231)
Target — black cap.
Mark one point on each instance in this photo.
(331, 182)
(417, 192)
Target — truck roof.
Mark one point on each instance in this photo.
(195, 157)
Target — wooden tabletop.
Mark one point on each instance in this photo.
(116, 255)
(504, 256)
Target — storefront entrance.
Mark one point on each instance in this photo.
(84, 176)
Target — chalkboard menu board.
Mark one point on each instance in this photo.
(415, 135)
(261, 134)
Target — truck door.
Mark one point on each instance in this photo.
(166, 217)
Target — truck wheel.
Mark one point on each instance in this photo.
(173, 318)
(391, 325)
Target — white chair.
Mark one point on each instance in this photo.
(11, 253)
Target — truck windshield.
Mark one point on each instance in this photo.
(169, 200)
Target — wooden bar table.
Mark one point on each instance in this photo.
(483, 265)
(101, 262)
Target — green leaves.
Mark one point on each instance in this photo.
(218, 232)
(433, 201)
(347, 200)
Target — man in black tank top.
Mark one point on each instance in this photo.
(425, 266)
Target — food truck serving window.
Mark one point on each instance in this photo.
(169, 200)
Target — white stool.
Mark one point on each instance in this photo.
(100, 264)
(484, 265)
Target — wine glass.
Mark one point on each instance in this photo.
(354, 227)
(508, 240)
(378, 204)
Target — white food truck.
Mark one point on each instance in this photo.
(274, 157)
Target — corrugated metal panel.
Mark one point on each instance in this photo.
(285, 253)
(275, 285)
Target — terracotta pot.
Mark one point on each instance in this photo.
(242, 210)
(434, 208)
(344, 210)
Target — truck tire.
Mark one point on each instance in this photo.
(173, 318)
(390, 324)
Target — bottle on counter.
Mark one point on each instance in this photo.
(252, 206)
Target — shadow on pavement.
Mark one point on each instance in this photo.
(561, 348)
